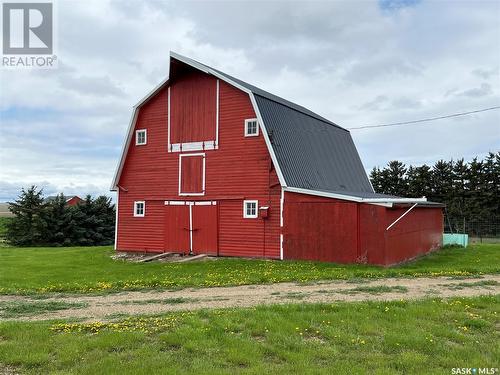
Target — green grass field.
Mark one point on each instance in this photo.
(431, 336)
(92, 270)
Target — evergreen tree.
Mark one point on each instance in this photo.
(95, 222)
(27, 227)
(59, 223)
(376, 179)
(394, 179)
(86, 222)
(491, 182)
(457, 204)
(105, 210)
(419, 181)
(475, 195)
(442, 180)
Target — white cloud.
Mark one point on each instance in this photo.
(352, 62)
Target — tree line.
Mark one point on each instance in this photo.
(470, 190)
(41, 222)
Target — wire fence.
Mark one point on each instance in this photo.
(474, 227)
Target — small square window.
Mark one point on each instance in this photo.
(139, 208)
(250, 209)
(251, 127)
(140, 137)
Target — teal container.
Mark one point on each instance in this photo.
(456, 239)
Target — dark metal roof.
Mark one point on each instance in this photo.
(312, 154)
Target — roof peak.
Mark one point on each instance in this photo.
(249, 87)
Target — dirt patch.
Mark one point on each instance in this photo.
(155, 302)
(8, 370)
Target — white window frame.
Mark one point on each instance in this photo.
(137, 132)
(203, 176)
(136, 203)
(247, 216)
(248, 120)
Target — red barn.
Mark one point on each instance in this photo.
(71, 200)
(214, 165)
(74, 200)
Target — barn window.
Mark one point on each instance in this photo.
(139, 208)
(251, 127)
(140, 137)
(250, 209)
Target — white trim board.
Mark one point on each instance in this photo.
(190, 203)
(282, 205)
(190, 229)
(193, 146)
(116, 218)
(281, 246)
(217, 116)
(168, 119)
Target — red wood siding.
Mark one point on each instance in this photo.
(371, 234)
(240, 169)
(419, 232)
(331, 230)
(319, 228)
(192, 174)
(192, 106)
(146, 231)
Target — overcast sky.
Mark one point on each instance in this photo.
(354, 62)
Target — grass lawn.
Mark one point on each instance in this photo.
(430, 336)
(91, 270)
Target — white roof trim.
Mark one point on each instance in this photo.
(387, 202)
(207, 70)
(125, 146)
(152, 92)
(396, 200)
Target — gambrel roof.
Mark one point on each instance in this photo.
(311, 154)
